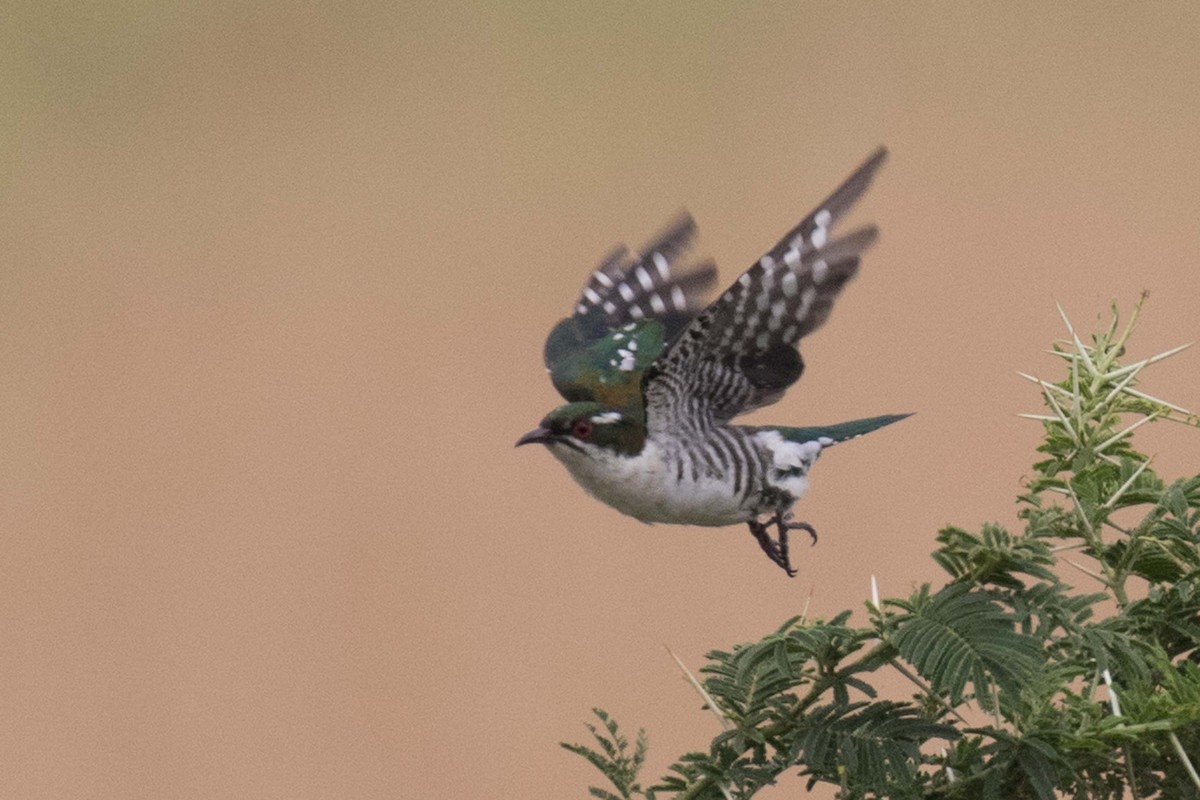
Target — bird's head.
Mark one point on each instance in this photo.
(588, 429)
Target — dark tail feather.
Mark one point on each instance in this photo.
(840, 432)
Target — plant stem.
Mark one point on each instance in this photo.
(1183, 756)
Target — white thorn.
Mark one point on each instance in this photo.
(1125, 486)
(708, 701)
(1113, 702)
(1116, 437)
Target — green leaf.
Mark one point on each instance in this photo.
(960, 635)
(876, 746)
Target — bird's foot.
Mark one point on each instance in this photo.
(784, 521)
(777, 551)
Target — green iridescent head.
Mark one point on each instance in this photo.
(584, 425)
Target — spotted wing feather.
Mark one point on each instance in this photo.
(652, 286)
(740, 353)
(626, 303)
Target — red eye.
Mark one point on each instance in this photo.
(582, 429)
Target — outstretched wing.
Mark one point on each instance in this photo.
(643, 302)
(621, 290)
(740, 353)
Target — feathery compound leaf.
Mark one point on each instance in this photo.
(754, 675)
(960, 635)
(615, 762)
(993, 556)
(877, 745)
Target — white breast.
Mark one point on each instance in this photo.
(647, 488)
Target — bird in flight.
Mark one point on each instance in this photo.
(652, 382)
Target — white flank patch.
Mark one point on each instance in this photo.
(790, 461)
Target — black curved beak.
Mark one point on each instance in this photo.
(536, 436)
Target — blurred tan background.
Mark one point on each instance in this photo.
(273, 287)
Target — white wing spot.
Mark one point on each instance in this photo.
(591, 295)
(657, 304)
(627, 360)
(745, 279)
(644, 278)
(603, 279)
(618, 336)
(762, 341)
(789, 283)
(581, 309)
(610, 307)
(626, 292)
(820, 270)
(806, 297)
(678, 299)
(636, 312)
(632, 344)
(791, 257)
(789, 333)
(821, 233)
(630, 326)
(766, 262)
(660, 262)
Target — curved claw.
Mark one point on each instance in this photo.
(785, 521)
(776, 551)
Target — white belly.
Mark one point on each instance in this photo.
(647, 488)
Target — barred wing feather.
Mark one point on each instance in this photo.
(740, 353)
